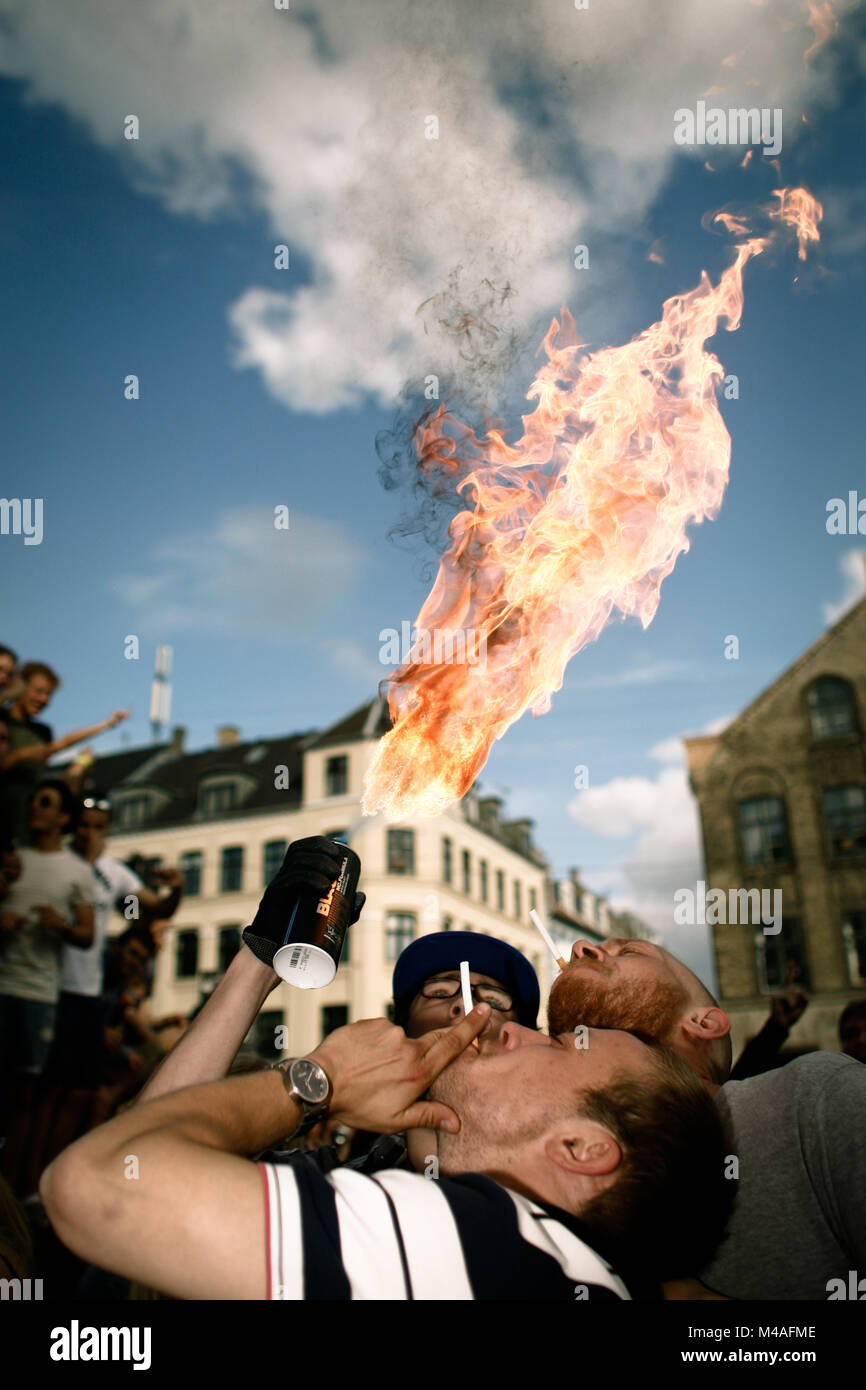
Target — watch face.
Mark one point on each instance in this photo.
(310, 1081)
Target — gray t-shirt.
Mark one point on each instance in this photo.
(30, 956)
(800, 1216)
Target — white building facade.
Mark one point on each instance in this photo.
(225, 817)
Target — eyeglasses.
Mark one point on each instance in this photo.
(89, 804)
(497, 998)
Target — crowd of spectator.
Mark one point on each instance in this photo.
(76, 1036)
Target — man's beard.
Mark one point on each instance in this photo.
(650, 1007)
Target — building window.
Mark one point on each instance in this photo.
(399, 931)
(500, 890)
(229, 945)
(231, 869)
(533, 900)
(482, 879)
(388, 1010)
(337, 775)
(401, 851)
(334, 1016)
(466, 861)
(854, 936)
(831, 708)
(269, 1035)
(217, 798)
(845, 817)
(447, 853)
(190, 867)
(777, 953)
(131, 812)
(338, 835)
(764, 833)
(447, 923)
(186, 954)
(272, 857)
(518, 901)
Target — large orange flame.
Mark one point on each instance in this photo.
(585, 514)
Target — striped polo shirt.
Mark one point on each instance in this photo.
(397, 1235)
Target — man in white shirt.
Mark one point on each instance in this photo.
(74, 1067)
(49, 905)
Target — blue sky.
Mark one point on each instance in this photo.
(159, 261)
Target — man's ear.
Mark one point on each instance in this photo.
(705, 1025)
(584, 1147)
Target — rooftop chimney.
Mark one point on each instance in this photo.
(488, 812)
(228, 736)
(519, 832)
(178, 738)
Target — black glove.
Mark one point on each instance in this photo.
(311, 863)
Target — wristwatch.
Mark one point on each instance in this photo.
(308, 1085)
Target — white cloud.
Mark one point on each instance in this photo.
(316, 118)
(673, 750)
(668, 750)
(662, 816)
(244, 576)
(853, 568)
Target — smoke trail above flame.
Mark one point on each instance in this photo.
(585, 514)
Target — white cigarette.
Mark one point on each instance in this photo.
(547, 939)
(467, 993)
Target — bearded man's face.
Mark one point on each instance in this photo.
(624, 984)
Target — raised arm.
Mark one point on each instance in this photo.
(211, 1042)
(164, 904)
(41, 752)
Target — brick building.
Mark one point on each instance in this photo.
(782, 794)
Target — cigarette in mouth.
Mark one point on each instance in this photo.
(547, 939)
(467, 993)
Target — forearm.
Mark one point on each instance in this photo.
(73, 775)
(239, 1115)
(758, 1055)
(78, 736)
(166, 904)
(79, 934)
(211, 1042)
